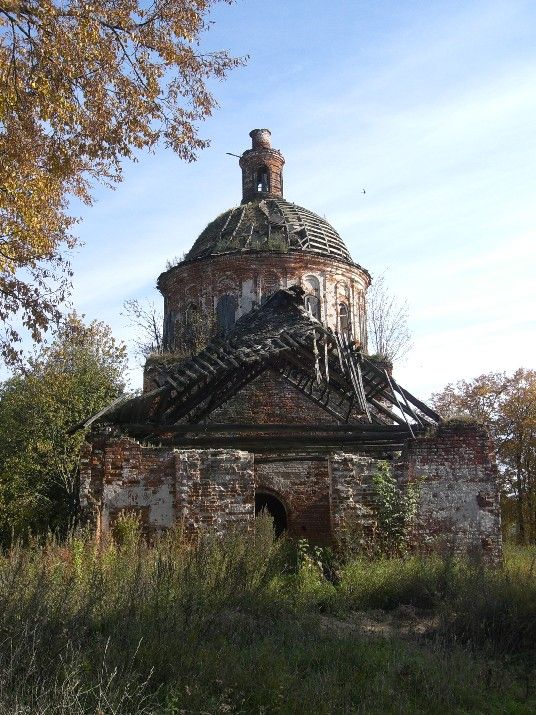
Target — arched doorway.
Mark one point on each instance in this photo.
(271, 504)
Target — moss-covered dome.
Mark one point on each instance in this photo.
(269, 224)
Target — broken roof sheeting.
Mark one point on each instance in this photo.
(271, 225)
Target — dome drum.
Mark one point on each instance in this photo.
(250, 251)
(225, 287)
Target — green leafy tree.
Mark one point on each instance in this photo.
(394, 508)
(74, 376)
(506, 404)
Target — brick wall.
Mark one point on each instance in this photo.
(324, 495)
(198, 489)
(215, 490)
(269, 399)
(117, 474)
(459, 507)
(351, 480)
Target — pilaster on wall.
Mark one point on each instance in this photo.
(215, 490)
(351, 482)
(165, 487)
(459, 507)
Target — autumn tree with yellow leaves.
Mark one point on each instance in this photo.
(83, 86)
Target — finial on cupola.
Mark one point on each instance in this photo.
(262, 168)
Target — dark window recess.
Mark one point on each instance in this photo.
(226, 311)
(344, 319)
(168, 337)
(312, 304)
(270, 504)
(263, 180)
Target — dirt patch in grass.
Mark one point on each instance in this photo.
(403, 622)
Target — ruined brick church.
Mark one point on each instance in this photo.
(280, 406)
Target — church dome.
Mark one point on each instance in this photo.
(271, 224)
(253, 250)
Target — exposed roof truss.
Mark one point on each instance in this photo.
(284, 338)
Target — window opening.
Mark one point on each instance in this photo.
(226, 312)
(312, 296)
(263, 180)
(344, 319)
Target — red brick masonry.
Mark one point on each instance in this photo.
(323, 494)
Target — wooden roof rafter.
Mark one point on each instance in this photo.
(280, 336)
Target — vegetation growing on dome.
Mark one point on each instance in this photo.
(269, 225)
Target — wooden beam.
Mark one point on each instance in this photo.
(428, 411)
(268, 443)
(225, 393)
(388, 413)
(354, 428)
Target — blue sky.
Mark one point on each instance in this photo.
(429, 106)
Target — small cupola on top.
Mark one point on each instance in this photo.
(262, 168)
(265, 220)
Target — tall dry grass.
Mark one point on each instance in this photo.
(248, 625)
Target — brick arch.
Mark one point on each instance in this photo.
(304, 487)
(228, 283)
(275, 504)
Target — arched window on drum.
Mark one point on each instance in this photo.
(226, 312)
(345, 327)
(312, 296)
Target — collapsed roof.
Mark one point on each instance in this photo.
(357, 392)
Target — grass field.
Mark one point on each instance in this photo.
(246, 626)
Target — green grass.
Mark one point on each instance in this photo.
(231, 627)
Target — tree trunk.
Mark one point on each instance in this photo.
(521, 533)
